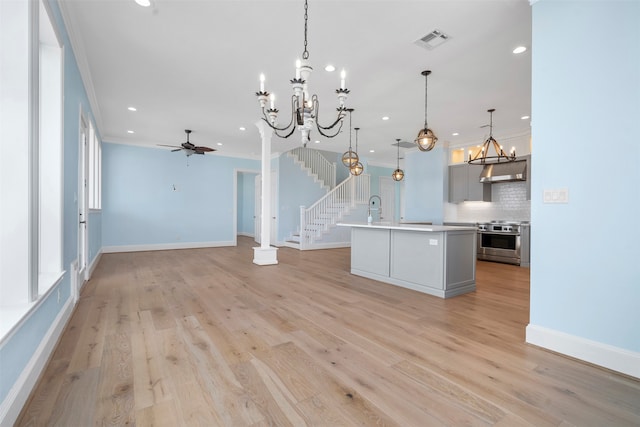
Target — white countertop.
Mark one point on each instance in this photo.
(407, 227)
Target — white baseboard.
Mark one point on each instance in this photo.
(240, 233)
(19, 393)
(329, 245)
(605, 355)
(94, 264)
(165, 246)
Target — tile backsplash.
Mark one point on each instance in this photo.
(509, 202)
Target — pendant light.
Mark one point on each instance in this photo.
(426, 139)
(482, 157)
(398, 174)
(358, 168)
(349, 158)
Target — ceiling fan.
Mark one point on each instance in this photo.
(188, 147)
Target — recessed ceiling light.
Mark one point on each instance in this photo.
(455, 134)
(219, 143)
(372, 151)
(317, 142)
(130, 131)
(330, 68)
(132, 109)
(524, 117)
(519, 49)
(144, 3)
(385, 118)
(243, 128)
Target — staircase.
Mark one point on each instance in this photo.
(317, 166)
(319, 220)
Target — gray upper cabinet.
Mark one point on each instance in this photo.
(464, 184)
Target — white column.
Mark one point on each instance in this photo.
(265, 254)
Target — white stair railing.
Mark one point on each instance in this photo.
(317, 164)
(327, 211)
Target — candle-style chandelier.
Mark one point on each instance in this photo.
(482, 156)
(304, 107)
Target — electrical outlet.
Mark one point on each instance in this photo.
(560, 195)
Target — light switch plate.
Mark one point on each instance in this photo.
(433, 242)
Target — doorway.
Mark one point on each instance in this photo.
(83, 197)
(388, 196)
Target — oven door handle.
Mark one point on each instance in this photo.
(499, 233)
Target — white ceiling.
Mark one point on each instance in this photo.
(188, 64)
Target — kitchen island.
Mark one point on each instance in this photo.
(434, 259)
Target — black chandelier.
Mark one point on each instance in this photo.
(482, 156)
(304, 107)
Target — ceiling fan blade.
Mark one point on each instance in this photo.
(204, 149)
(176, 149)
(171, 146)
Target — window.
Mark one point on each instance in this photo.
(30, 157)
(95, 169)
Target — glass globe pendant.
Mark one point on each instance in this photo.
(398, 174)
(350, 157)
(358, 168)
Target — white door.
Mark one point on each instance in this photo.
(388, 196)
(83, 241)
(258, 208)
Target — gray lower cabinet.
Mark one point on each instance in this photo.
(465, 185)
(440, 263)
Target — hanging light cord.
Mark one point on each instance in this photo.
(490, 124)
(357, 129)
(305, 53)
(425, 100)
(398, 157)
(350, 131)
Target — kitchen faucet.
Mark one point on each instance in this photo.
(369, 219)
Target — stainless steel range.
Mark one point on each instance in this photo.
(504, 241)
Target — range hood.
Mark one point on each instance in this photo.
(504, 172)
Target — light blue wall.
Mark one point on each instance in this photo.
(425, 179)
(585, 279)
(20, 347)
(246, 203)
(154, 196)
(295, 188)
(95, 234)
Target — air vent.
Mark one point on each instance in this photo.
(404, 144)
(434, 39)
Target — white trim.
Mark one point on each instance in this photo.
(19, 393)
(605, 355)
(165, 246)
(77, 46)
(329, 245)
(265, 256)
(94, 264)
(241, 233)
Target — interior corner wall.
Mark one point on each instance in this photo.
(425, 176)
(585, 282)
(246, 203)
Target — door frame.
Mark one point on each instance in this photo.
(236, 173)
(388, 180)
(83, 203)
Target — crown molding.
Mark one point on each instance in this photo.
(79, 52)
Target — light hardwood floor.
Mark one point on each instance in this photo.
(204, 337)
